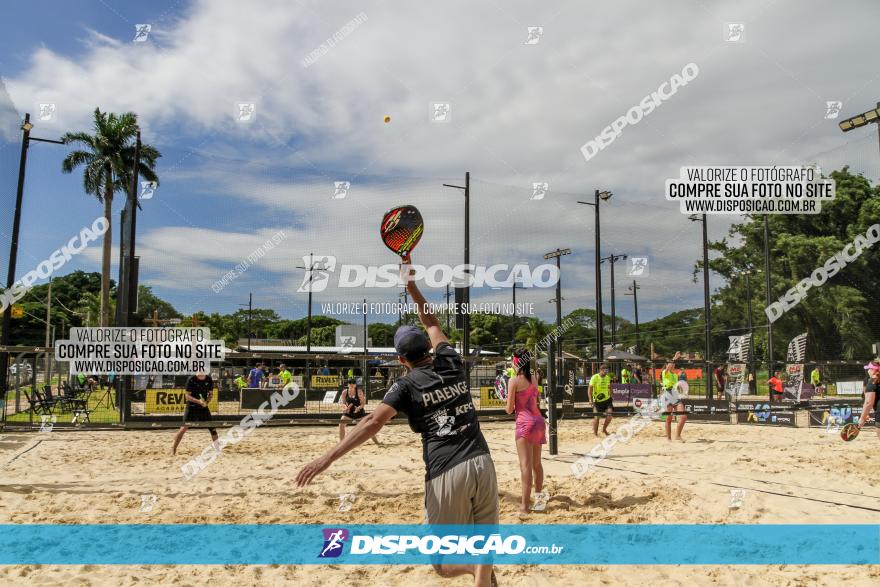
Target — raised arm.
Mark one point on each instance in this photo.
(426, 317)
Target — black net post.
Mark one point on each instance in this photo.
(551, 395)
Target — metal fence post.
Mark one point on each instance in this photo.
(551, 395)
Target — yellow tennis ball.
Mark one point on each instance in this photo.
(387, 119)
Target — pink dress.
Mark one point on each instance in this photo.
(529, 421)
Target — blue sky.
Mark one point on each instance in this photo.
(520, 113)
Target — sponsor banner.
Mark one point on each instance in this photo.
(171, 401)
(760, 413)
(794, 381)
(736, 384)
(627, 394)
(417, 544)
(707, 411)
(488, 399)
(325, 381)
(252, 398)
(838, 414)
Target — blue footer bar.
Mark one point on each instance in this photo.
(650, 544)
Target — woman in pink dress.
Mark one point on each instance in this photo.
(522, 396)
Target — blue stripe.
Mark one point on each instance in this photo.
(574, 544)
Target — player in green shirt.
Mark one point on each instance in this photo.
(624, 376)
(599, 393)
(285, 375)
(670, 401)
(816, 381)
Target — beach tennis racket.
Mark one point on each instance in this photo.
(682, 388)
(402, 229)
(501, 387)
(849, 432)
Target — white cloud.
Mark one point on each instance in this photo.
(520, 114)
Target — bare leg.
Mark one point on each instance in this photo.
(524, 452)
(682, 418)
(608, 417)
(342, 430)
(482, 573)
(537, 468)
(177, 438)
(668, 426)
(596, 424)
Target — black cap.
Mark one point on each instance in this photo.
(411, 342)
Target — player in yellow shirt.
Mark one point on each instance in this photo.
(670, 401)
(599, 393)
(285, 375)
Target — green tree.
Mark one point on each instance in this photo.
(108, 160)
(532, 332)
(837, 316)
(148, 303)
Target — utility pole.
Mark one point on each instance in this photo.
(612, 259)
(707, 310)
(448, 312)
(48, 330)
(557, 254)
(250, 307)
(513, 317)
(769, 293)
(466, 318)
(310, 269)
(634, 289)
(554, 360)
(5, 335)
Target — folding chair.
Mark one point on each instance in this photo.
(49, 398)
(80, 407)
(36, 404)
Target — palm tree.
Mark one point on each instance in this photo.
(532, 332)
(108, 159)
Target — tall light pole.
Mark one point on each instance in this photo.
(612, 259)
(634, 292)
(707, 310)
(466, 320)
(250, 307)
(604, 196)
(26, 138)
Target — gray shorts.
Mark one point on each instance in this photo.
(465, 494)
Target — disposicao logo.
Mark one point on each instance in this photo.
(334, 540)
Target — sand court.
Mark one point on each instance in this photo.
(721, 474)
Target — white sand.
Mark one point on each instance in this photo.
(790, 476)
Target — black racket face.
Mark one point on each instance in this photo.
(402, 229)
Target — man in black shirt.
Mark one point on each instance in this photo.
(199, 388)
(460, 482)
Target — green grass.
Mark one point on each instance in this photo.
(99, 415)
